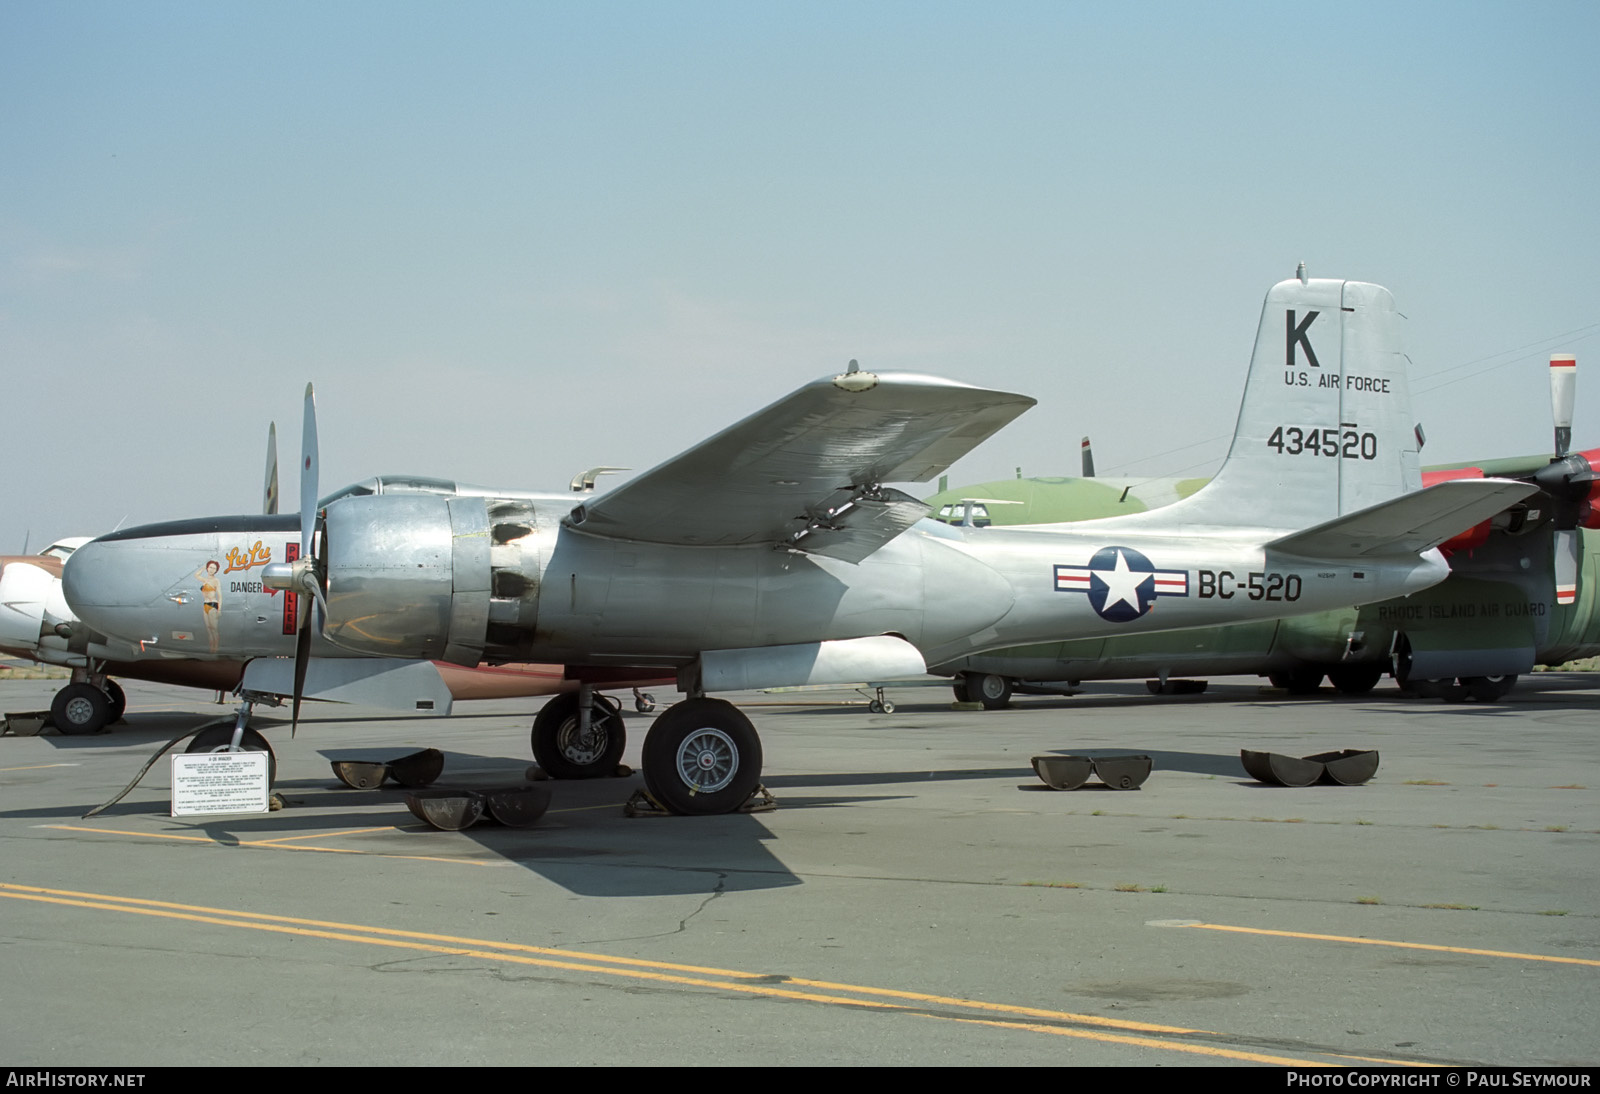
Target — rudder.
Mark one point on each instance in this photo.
(1325, 427)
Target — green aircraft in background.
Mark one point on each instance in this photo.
(1522, 592)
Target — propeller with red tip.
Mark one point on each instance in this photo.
(1570, 480)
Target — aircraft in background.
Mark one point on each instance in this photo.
(1522, 591)
(772, 554)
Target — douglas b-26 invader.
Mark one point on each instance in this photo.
(774, 554)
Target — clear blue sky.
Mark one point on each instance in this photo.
(511, 241)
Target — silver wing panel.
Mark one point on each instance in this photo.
(807, 471)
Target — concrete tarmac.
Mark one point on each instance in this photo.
(918, 897)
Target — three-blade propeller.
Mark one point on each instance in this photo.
(1569, 480)
(304, 575)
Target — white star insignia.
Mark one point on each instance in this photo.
(1122, 584)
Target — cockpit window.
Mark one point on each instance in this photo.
(957, 514)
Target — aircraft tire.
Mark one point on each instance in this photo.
(80, 709)
(1297, 681)
(218, 738)
(1488, 689)
(992, 690)
(564, 753)
(1355, 679)
(702, 757)
(119, 701)
(963, 694)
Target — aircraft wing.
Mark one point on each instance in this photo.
(1408, 524)
(808, 470)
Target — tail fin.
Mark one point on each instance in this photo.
(1325, 428)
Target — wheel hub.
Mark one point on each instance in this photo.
(580, 747)
(79, 710)
(708, 760)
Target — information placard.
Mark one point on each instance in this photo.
(209, 783)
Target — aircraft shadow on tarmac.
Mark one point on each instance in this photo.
(584, 843)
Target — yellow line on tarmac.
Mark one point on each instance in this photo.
(277, 840)
(37, 767)
(1401, 945)
(638, 968)
(274, 845)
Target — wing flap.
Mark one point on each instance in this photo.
(1409, 524)
(807, 470)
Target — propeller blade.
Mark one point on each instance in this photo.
(302, 661)
(1567, 549)
(308, 474)
(270, 506)
(1088, 460)
(1563, 392)
(310, 581)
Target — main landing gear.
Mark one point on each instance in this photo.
(701, 756)
(993, 691)
(572, 743)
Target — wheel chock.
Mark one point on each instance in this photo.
(450, 810)
(1063, 772)
(413, 771)
(27, 724)
(417, 769)
(518, 806)
(1123, 772)
(360, 774)
(1116, 772)
(641, 804)
(1351, 767)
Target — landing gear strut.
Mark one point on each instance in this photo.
(568, 745)
(237, 738)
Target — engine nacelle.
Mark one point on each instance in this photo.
(1472, 538)
(428, 576)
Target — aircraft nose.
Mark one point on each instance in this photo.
(108, 584)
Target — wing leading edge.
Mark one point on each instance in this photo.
(808, 471)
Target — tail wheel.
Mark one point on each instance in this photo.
(220, 739)
(80, 709)
(565, 751)
(702, 757)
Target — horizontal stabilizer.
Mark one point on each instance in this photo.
(1409, 524)
(807, 472)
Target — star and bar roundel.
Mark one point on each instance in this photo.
(1121, 583)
